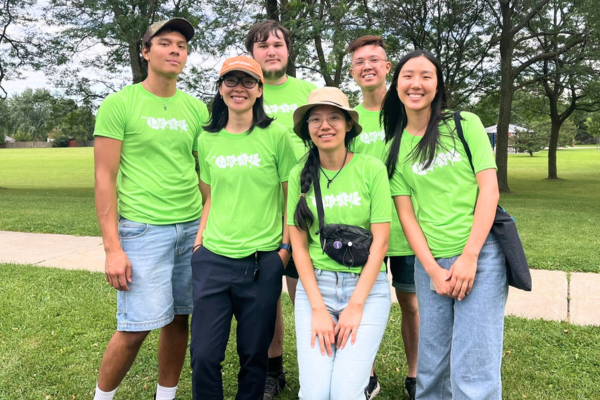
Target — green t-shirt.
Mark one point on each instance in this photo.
(371, 141)
(245, 172)
(446, 191)
(157, 181)
(280, 102)
(359, 196)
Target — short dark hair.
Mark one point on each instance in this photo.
(367, 40)
(260, 33)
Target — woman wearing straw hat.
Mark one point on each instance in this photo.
(341, 310)
(245, 159)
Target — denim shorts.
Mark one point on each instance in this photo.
(403, 273)
(161, 274)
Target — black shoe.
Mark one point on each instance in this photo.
(275, 384)
(410, 387)
(373, 388)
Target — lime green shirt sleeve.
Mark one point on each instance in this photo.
(204, 169)
(398, 185)
(381, 206)
(285, 155)
(203, 116)
(479, 143)
(293, 193)
(110, 119)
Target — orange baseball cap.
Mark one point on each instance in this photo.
(244, 64)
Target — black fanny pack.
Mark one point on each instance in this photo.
(348, 245)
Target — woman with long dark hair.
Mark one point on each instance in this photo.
(341, 310)
(240, 250)
(460, 270)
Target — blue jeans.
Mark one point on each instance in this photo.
(460, 342)
(345, 375)
(161, 274)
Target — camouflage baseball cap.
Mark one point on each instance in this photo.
(180, 24)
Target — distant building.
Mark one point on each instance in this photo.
(512, 131)
(8, 139)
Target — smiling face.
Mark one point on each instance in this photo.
(167, 54)
(239, 99)
(272, 55)
(417, 84)
(331, 133)
(370, 75)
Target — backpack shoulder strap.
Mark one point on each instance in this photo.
(461, 136)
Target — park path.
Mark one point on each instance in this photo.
(556, 295)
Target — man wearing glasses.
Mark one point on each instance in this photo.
(370, 67)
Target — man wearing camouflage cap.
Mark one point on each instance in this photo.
(148, 206)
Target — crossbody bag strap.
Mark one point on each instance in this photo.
(461, 136)
(319, 200)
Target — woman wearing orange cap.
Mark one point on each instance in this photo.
(245, 159)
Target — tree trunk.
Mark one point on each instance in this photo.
(139, 68)
(554, 131)
(506, 98)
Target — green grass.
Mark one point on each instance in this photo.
(55, 324)
(557, 219)
(51, 191)
(48, 190)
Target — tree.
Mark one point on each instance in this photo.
(593, 126)
(570, 79)
(513, 17)
(15, 42)
(458, 32)
(530, 141)
(105, 37)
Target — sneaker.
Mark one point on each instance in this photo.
(373, 389)
(275, 384)
(410, 387)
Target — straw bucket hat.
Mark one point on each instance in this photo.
(327, 96)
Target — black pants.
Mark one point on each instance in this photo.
(224, 287)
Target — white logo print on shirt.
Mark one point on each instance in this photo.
(440, 161)
(372, 137)
(280, 108)
(243, 160)
(171, 124)
(341, 200)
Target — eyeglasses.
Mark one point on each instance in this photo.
(332, 120)
(374, 61)
(247, 81)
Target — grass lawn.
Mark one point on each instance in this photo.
(51, 191)
(55, 324)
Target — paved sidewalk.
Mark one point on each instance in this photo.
(553, 296)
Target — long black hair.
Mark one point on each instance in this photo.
(303, 217)
(393, 117)
(219, 115)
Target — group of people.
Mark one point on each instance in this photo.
(202, 213)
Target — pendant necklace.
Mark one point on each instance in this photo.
(337, 173)
(145, 86)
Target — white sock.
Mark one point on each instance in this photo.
(100, 395)
(165, 393)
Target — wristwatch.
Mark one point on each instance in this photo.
(286, 246)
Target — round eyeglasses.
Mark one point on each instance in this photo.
(332, 119)
(247, 81)
(373, 61)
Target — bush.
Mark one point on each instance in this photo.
(61, 141)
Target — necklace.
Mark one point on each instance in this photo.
(337, 173)
(145, 86)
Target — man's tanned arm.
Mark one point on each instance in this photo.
(107, 158)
